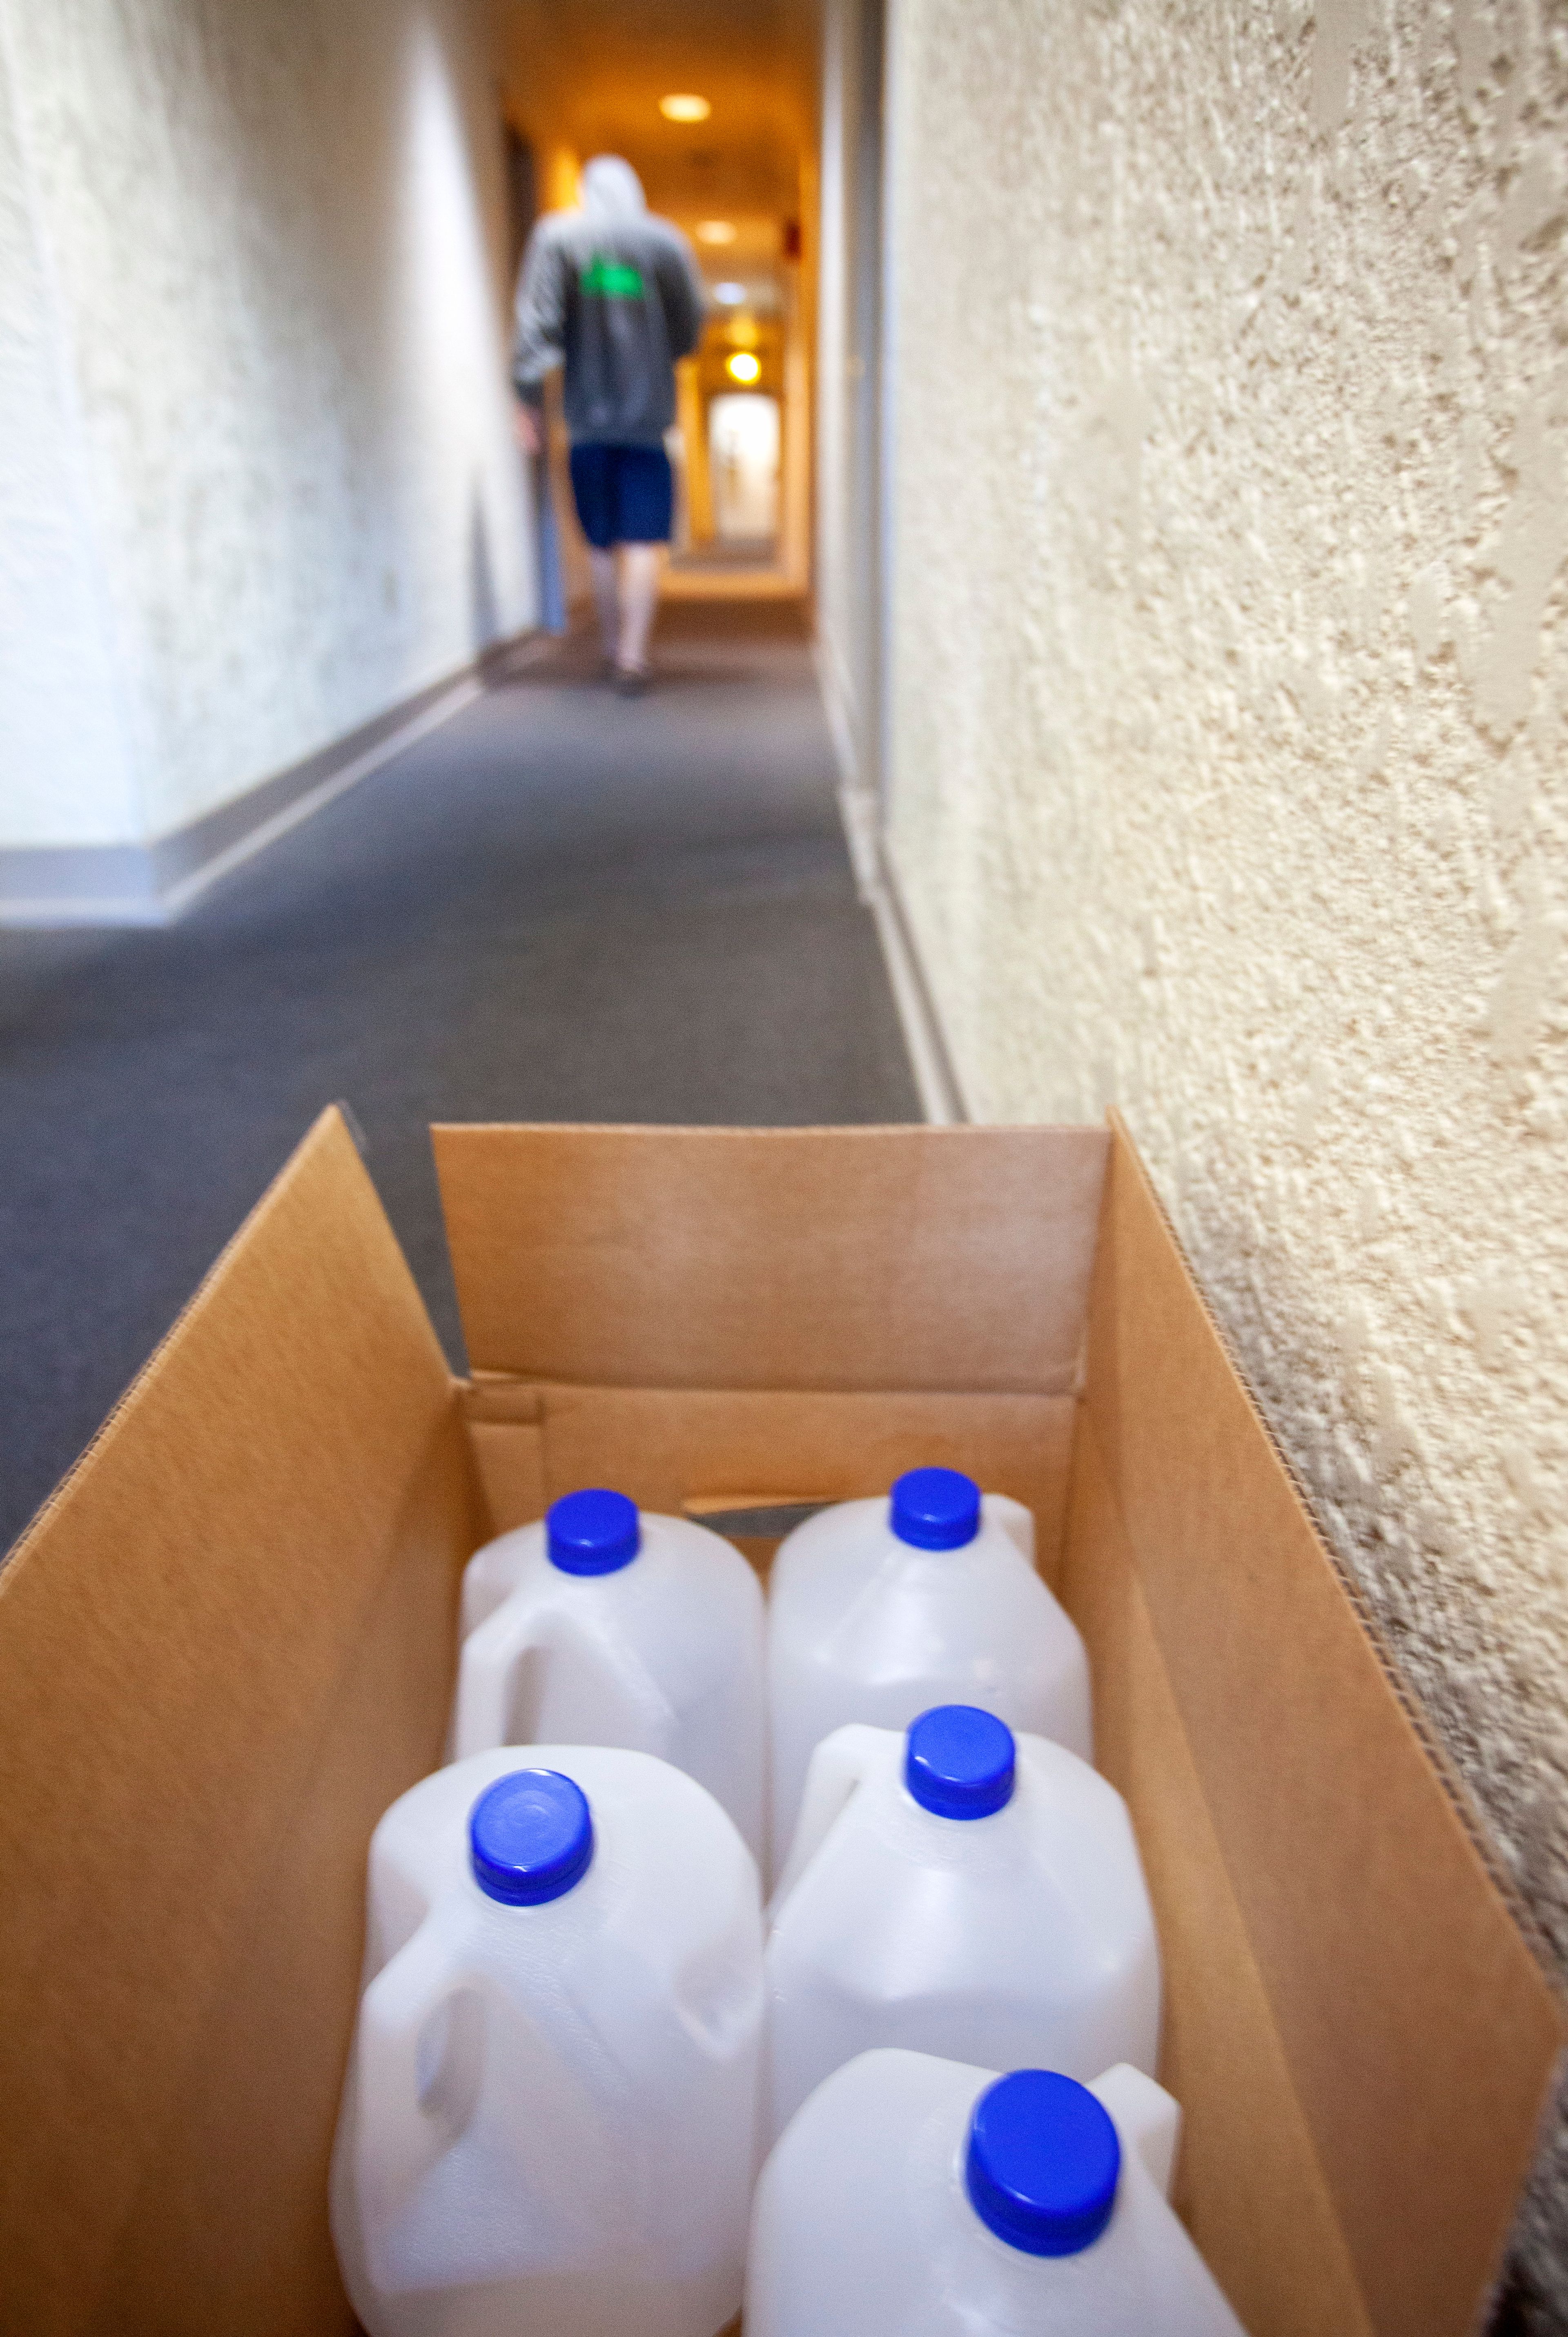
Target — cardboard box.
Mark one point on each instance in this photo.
(228, 1644)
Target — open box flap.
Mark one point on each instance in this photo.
(1419, 2034)
(874, 1258)
(225, 1646)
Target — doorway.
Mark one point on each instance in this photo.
(744, 446)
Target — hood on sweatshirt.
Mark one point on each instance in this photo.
(612, 189)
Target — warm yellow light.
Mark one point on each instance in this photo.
(684, 108)
(742, 366)
(716, 231)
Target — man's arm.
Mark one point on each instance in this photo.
(539, 343)
(684, 296)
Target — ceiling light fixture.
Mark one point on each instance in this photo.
(729, 295)
(743, 366)
(684, 107)
(716, 231)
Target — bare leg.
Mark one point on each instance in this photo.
(602, 569)
(641, 566)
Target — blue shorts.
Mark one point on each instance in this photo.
(624, 495)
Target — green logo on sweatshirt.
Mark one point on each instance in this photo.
(613, 279)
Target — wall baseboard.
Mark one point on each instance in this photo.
(153, 883)
(833, 684)
(931, 1060)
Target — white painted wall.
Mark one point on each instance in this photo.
(835, 259)
(1229, 702)
(64, 752)
(262, 484)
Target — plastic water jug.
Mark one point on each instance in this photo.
(879, 1609)
(551, 2111)
(958, 1891)
(918, 2198)
(603, 1625)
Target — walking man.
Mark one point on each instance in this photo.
(612, 292)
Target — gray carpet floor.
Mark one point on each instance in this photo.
(560, 905)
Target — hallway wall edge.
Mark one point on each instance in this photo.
(930, 1058)
(876, 881)
(45, 885)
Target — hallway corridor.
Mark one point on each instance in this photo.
(558, 906)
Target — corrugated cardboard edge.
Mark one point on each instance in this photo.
(1139, 1399)
(1466, 1807)
(1250, 2184)
(337, 1118)
(223, 1655)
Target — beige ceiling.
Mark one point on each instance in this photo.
(589, 74)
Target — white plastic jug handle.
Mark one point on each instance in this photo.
(487, 1677)
(489, 1579)
(838, 1766)
(1147, 2118)
(399, 2139)
(1016, 1521)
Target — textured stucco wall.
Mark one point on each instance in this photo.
(267, 313)
(1230, 699)
(62, 733)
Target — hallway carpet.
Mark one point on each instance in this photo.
(560, 905)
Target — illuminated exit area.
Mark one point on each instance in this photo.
(743, 456)
(737, 397)
(714, 107)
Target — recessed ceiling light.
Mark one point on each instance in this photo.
(729, 295)
(716, 231)
(743, 366)
(684, 107)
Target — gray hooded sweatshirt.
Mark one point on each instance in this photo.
(612, 291)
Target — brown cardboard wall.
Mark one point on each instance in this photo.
(675, 1448)
(747, 1316)
(1417, 2028)
(224, 1649)
(839, 1259)
(1248, 2183)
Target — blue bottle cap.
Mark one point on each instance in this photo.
(530, 1837)
(1043, 2164)
(936, 1509)
(959, 1762)
(595, 1532)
